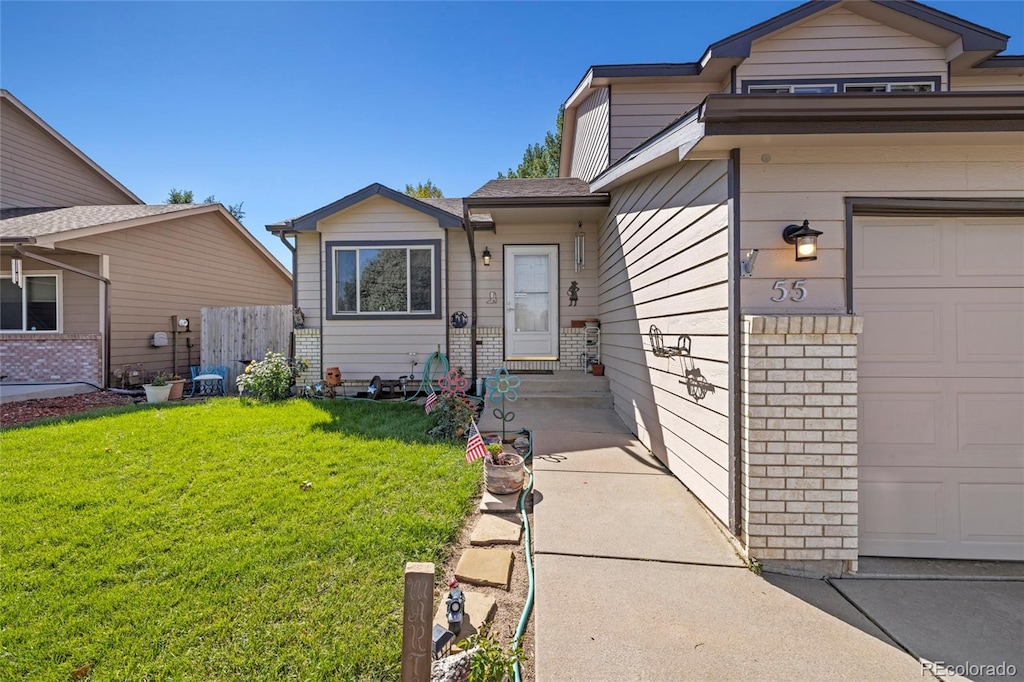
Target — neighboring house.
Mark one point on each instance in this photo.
(102, 272)
(867, 401)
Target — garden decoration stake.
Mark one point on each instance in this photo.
(504, 387)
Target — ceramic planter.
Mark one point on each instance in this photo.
(157, 394)
(504, 479)
(177, 388)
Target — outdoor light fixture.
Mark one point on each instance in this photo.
(805, 239)
(455, 606)
(487, 257)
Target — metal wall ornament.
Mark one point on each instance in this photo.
(574, 293)
(459, 319)
(697, 386)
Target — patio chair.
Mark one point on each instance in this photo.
(209, 380)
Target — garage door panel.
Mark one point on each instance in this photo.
(992, 250)
(941, 332)
(993, 513)
(941, 387)
(941, 422)
(992, 332)
(991, 424)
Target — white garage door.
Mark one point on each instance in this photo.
(941, 432)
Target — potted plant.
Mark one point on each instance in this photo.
(504, 472)
(157, 390)
(177, 385)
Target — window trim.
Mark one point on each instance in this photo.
(330, 248)
(59, 275)
(841, 83)
(765, 86)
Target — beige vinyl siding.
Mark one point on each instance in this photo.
(810, 183)
(641, 110)
(364, 348)
(37, 170)
(177, 267)
(590, 147)
(308, 277)
(1003, 83)
(664, 262)
(841, 44)
(492, 278)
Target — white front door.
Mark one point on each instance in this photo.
(531, 302)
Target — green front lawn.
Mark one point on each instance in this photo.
(180, 542)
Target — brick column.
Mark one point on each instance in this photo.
(307, 347)
(799, 442)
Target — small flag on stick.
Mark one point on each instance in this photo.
(475, 448)
(431, 402)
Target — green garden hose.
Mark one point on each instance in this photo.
(525, 618)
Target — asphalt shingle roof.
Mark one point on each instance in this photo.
(37, 222)
(539, 188)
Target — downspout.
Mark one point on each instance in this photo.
(295, 258)
(471, 239)
(447, 298)
(735, 352)
(106, 300)
(295, 290)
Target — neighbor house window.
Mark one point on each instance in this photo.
(889, 87)
(31, 307)
(384, 279)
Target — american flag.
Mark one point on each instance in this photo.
(431, 401)
(475, 445)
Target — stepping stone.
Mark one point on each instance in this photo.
(487, 567)
(499, 503)
(494, 529)
(479, 610)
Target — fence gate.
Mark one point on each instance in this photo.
(232, 335)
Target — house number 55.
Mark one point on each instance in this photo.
(796, 293)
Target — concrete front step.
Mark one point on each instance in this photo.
(567, 400)
(562, 382)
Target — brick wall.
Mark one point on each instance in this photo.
(491, 351)
(307, 347)
(52, 357)
(799, 441)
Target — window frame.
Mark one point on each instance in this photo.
(330, 285)
(750, 87)
(55, 274)
(887, 85)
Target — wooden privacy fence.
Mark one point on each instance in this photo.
(244, 333)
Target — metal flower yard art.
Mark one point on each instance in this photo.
(503, 387)
(454, 384)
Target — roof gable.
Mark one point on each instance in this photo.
(63, 143)
(308, 222)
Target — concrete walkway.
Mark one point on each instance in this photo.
(635, 581)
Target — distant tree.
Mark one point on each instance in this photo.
(427, 190)
(185, 196)
(541, 160)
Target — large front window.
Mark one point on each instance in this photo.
(29, 308)
(384, 279)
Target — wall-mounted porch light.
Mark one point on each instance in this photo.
(487, 257)
(805, 239)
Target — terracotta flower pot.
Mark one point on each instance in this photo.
(177, 388)
(597, 370)
(504, 479)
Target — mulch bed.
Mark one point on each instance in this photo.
(12, 414)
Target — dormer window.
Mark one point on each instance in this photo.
(792, 89)
(807, 86)
(889, 87)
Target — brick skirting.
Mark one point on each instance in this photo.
(52, 357)
(491, 351)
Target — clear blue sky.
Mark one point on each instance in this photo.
(289, 106)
